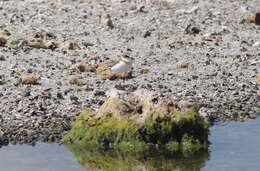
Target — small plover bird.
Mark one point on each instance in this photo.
(124, 65)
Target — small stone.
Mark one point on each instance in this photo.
(190, 29)
(2, 58)
(203, 112)
(41, 44)
(2, 80)
(195, 77)
(30, 70)
(99, 93)
(144, 71)
(182, 64)
(188, 11)
(258, 79)
(107, 21)
(69, 45)
(147, 34)
(92, 56)
(186, 104)
(27, 93)
(78, 82)
(4, 36)
(74, 98)
(30, 79)
(141, 9)
(87, 44)
(67, 91)
(60, 96)
(87, 68)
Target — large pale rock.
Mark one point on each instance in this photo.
(142, 105)
(42, 40)
(117, 107)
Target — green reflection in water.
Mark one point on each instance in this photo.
(152, 161)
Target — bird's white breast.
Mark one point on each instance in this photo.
(122, 67)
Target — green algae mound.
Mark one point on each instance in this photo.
(136, 127)
(104, 133)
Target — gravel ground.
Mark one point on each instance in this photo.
(199, 50)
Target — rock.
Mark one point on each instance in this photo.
(186, 104)
(141, 8)
(30, 79)
(147, 100)
(253, 19)
(258, 79)
(87, 67)
(69, 45)
(4, 36)
(88, 44)
(99, 93)
(203, 112)
(78, 82)
(144, 71)
(40, 43)
(249, 19)
(189, 11)
(74, 98)
(92, 56)
(182, 64)
(27, 92)
(106, 20)
(147, 34)
(2, 80)
(59, 95)
(2, 58)
(190, 29)
(105, 66)
(41, 40)
(116, 107)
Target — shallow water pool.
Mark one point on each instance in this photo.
(42, 157)
(235, 147)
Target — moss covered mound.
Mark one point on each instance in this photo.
(178, 131)
(139, 122)
(105, 133)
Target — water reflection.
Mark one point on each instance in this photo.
(114, 161)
